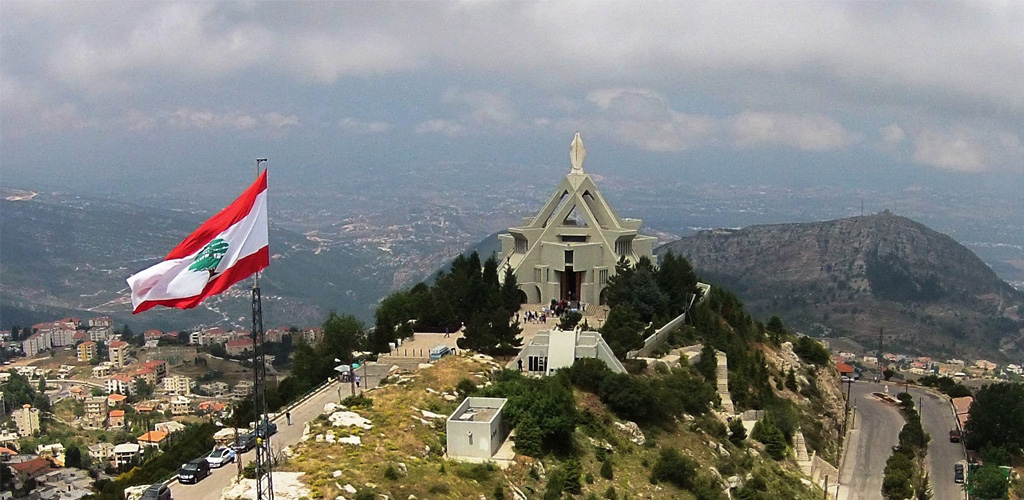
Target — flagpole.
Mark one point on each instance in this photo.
(264, 459)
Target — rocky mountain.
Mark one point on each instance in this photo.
(852, 277)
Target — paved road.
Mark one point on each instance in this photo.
(211, 487)
(877, 431)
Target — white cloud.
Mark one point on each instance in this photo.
(354, 125)
(892, 134)
(185, 119)
(810, 132)
(968, 148)
(438, 126)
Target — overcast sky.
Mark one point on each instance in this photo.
(901, 93)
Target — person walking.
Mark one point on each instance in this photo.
(288, 417)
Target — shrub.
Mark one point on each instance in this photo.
(606, 469)
(390, 473)
(610, 493)
(499, 492)
(569, 320)
(465, 387)
(571, 472)
(769, 434)
(675, 468)
(811, 351)
(589, 478)
(365, 495)
(358, 401)
(737, 433)
(477, 472)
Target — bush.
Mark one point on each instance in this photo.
(571, 472)
(610, 493)
(811, 351)
(358, 401)
(769, 434)
(465, 387)
(737, 433)
(606, 469)
(390, 473)
(675, 468)
(569, 320)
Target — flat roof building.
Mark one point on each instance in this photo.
(570, 248)
(477, 428)
(554, 349)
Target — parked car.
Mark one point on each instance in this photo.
(244, 443)
(266, 429)
(954, 436)
(158, 491)
(958, 473)
(220, 457)
(194, 471)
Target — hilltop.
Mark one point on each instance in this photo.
(851, 277)
(395, 446)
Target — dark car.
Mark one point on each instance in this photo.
(954, 436)
(193, 471)
(156, 492)
(266, 429)
(958, 473)
(244, 443)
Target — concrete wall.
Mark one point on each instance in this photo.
(476, 439)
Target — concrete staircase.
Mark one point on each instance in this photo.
(722, 376)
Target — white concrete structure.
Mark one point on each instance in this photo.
(477, 428)
(570, 248)
(126, 452)
(554, 349)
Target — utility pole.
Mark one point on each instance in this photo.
(878, 360)
(264, 465)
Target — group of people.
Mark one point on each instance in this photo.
(535, 317)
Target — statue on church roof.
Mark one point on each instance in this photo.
(576, 154)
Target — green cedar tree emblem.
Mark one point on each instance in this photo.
(210, 256)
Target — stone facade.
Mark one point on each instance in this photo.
(570, 248)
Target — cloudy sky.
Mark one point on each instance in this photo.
(125, 93)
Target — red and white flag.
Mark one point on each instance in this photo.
(226, 249)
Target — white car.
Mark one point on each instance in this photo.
(220, 457)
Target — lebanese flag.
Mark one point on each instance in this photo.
(226, 249)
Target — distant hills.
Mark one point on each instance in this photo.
(851, 277)
(63, 255)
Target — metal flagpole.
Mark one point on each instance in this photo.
(264, 458)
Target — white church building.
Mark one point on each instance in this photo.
(570, 248)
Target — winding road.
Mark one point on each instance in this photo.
(876, 432)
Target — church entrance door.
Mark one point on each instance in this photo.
(570, 285)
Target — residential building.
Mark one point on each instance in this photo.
(121, 384)
(86, 351)
(101, 334)
(312, 335)
(159, 368)
(27, 420)
(554, 349)
(985, 365)
(115, 399)
(477, 428)
(181, 405)
(568, 251)
(211, 408)
(96, 410)
(115, 418)
(65, 484)
(239, 346)
(102, 370)
(36, 343)
(152, 438)
(126, 453)
(215, 389)
(170, 427)
(146, 406)
(178, 384)
(242, 389)
(118, 352)
(102, 452)
(147, 374)
(152, 334)
(30, 469)
(101, 322)
(52, 450)
(1015, 369)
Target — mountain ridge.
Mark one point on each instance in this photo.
(855, 276)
